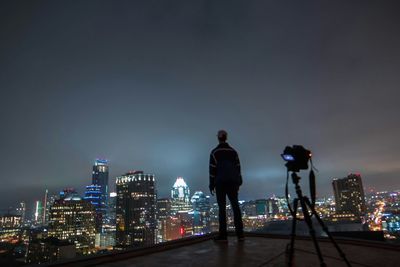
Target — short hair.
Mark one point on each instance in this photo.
(222, 135)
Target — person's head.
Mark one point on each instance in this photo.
(222, 136)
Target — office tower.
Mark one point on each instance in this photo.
(44, 208)
(21, 211)
(249, 209)
(10, 228)
(349, 195)
(93, 194)
(186, 223)
(272, 207)
(163, 212)
(201, 213)
(136, 210)
(97, 192)
(180, 197)
(73, 219)
(107, 236)
(261, 207)
(100, 177)
(112, 206)
(283, 208)
(214, 221)
(38, 215)
(49, 203)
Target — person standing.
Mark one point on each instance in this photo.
(225, 180)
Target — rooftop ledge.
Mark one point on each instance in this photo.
(257, 250)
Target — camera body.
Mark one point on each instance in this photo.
(296, 158)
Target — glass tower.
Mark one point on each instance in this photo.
(180, 195)
(349, 195)
(97, 192)
(72, 218)
(201, 213)
(136, 210)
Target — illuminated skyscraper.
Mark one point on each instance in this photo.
(21, 211)
(38, 215)
(10, 227)
(349, 195)
(163, 213)
(272, 206)
(201, 213)
(97, 192)
(180, 195)
(100, 177)
(73, 219)
(136, 210)
(261, 207)
(44, 218)
(93, 194)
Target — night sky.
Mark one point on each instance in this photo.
(147, 84)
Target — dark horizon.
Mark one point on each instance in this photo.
(148, 85)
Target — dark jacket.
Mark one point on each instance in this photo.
(224, 167)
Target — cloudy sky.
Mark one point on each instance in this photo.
(147, 85)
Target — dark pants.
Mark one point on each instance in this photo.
(232, 194)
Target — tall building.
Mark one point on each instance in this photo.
(107, 237)
(163, 213)
(261, 207)
(10, 227)
(180, 196)
(44, 217)
(21, 211)
(38, 214)
(97, 192)
(349, 195)
(136, 210)
(73, 219)
(272, 207)
(201, 213)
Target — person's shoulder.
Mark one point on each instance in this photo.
(214, 149)
(234, 150)
(230, 147)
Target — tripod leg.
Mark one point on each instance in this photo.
(293, 235)
(321, 222)
(307, 219)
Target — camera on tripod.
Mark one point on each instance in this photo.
(296, 158)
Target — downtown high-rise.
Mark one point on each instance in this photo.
(180, 197)
(349, 195)
(201, 213)
(73, 219)
(97, 193)
(136, 222)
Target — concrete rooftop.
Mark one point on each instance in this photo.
(257, 250)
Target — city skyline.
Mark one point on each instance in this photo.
(148, 86)
(176, 180)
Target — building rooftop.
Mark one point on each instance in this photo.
(257, 250)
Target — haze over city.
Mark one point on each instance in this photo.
(148, 86)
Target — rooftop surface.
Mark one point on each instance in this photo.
(257, 250)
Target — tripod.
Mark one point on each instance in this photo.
(306, 207)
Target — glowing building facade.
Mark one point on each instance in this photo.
(97, 192)
(136, 222)
(163, 213)
(10, 227)
(349, 195)
(201, 213)
(73, 219)
(180, 197)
